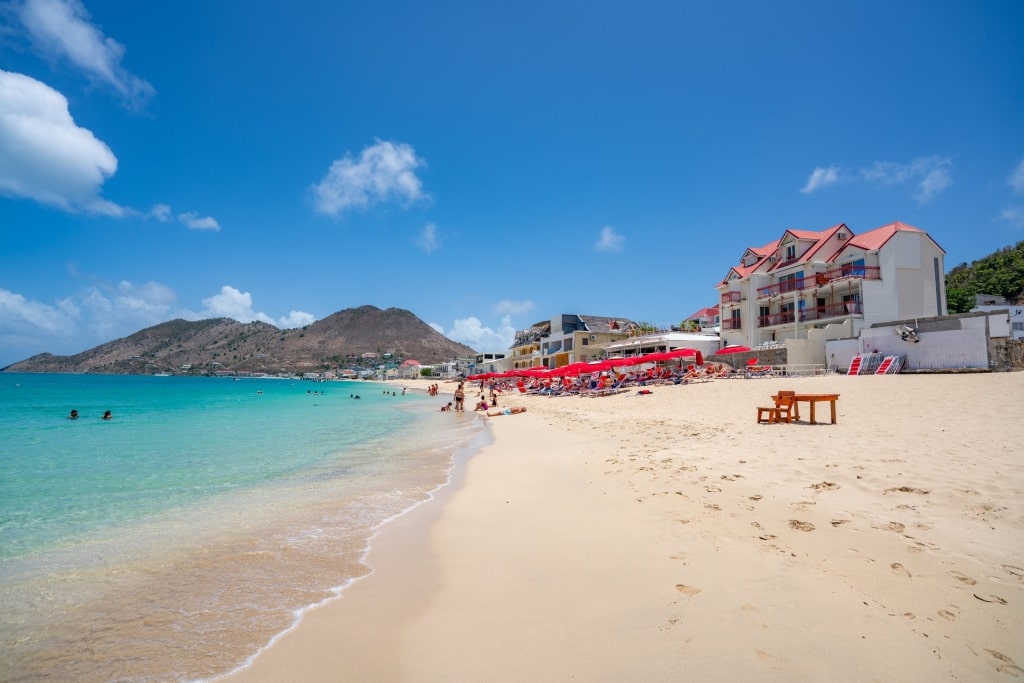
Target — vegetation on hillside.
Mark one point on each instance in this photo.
(999, 274)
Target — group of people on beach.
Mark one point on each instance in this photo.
(489, 408)
(107, 415)
(431, 390)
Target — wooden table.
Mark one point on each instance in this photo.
(814, 399)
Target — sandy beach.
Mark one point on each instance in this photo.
(669, 537)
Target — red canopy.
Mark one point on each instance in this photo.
(735, 349)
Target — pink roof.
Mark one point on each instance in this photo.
(410, 362)
(709, 312)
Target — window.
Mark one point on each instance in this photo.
(790, 252)
(585, 342)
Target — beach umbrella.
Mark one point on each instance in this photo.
(735, 349)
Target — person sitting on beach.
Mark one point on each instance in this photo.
(107, 415)
(481, 405)
(73, 415)
(506, 411)
(446, 408)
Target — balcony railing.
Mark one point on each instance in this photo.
(730, 297)
(732, 323)
(838, 310)
(797, 284)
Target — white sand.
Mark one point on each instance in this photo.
(669, 537)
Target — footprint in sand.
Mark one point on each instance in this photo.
(800, 526)
(1014, 571)
(991, 598)
(895, 526)
(963, 578)
(687, 590)
(712, 489)
(712, 506)
(899, 570)
(732, 477)
(947, 614)
(756, 496)
(840, 522)
(824, 486)
(1008, 666)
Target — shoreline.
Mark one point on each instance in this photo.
(637, 536)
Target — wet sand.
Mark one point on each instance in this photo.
(650, 537)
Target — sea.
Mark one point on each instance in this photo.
(178, 539)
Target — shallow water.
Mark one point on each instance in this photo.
(177, 539)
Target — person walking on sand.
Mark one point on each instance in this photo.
(460, 396)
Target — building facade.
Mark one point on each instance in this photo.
(805, 280)
(567, 338)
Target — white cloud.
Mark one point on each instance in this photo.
(195, 222)
(931, 175)
(235, 304)
(1014, 215)
(44, 156)
(100, 313)
(62, 29)
(384, 171)
(821, 177)
(1016, 180)
(296, 319)
(508, 307)
(609, 240)
(428, 239)
(160, 212)
(437, 328)
(471, 332)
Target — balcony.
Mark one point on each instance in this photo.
(732, 323)
(847, 272)
(838, 310)
(730, 297)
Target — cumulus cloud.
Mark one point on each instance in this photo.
(931, 175)
(102, 312)
(821, 177)
(44, 155)
(62, 29)
(609, 240)
(235, 304)
(383, 172)
(508, 307)
(428, 239)
(195, 222)
(160, 212)
(473, 333)
(1016, 180)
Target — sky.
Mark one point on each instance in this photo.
(484, 165)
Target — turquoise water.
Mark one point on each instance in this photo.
(174, 540)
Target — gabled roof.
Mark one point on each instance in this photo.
(820, 240)
(873, 240)
(709, 312)
(762, 253)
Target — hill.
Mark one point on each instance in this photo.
(1001, 274)
(338, 340)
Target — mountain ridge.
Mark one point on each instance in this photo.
(213, 344)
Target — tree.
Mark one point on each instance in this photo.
(959, 300)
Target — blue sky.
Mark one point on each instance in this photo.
(484, 165)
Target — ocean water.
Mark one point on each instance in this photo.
(177, 539)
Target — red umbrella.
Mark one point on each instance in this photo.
(735, 349)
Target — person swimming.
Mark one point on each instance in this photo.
(107, 415)
(73, 415)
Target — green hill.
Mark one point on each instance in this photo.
(1000, 274)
